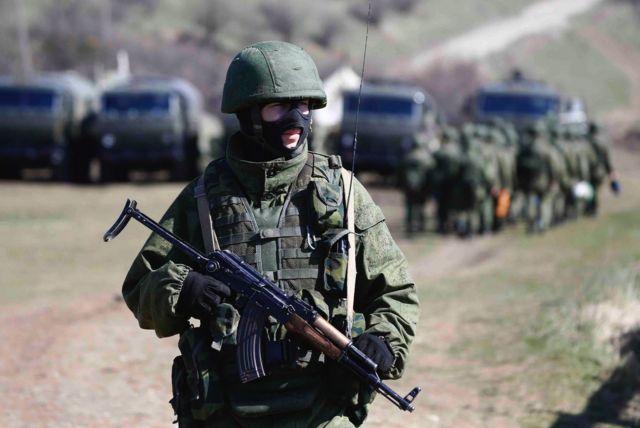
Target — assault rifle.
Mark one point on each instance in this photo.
(264, 299)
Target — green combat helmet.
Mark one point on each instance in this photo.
(268, 72)
(271, 71)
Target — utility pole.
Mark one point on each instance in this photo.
(23, 38)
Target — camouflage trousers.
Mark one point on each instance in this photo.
(415, 218)
(321, 415)
(539, 211)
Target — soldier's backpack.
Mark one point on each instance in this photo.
(532, 168)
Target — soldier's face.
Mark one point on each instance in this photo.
(274, 112)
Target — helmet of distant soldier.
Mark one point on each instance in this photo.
(450, 134)
(269, 72)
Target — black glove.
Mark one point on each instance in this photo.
(615, 187)
(376, 348)
(200, 295)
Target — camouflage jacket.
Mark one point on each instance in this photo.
(385, 293)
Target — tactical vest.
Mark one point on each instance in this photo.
(533, 169)
(310, 223)
(311, 262)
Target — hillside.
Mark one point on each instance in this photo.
(596, 59)
(195, 39)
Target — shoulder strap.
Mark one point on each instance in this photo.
(208, 232)
(351, 264)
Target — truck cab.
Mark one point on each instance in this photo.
(44, 124)
(388, 117)
(519, 101)
(149, 124)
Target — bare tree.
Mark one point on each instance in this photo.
(361, 11)
(402, 5)
(379, 9)
(211, 16)
(280, 17)
(450, 84)
(330, 29)
(69, 34)
(23, 38)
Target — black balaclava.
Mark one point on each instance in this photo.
(267, 135)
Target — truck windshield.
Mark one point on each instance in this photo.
(27, 99)
(144, 103)
(517, 104)
(374, 104)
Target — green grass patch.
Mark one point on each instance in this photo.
(619, 19)
(532, 311)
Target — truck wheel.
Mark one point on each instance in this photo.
(180, 171)
(110, 173)
(9, 172)
(79, 162)
(192, 156)
(187, 168)
(62, 171)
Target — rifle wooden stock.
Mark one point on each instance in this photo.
(302, 329)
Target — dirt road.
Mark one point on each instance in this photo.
(478, 43)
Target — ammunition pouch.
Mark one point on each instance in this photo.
(326, 201)
(283, 391)
(197, 388)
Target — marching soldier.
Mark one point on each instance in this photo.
(416, 181)
(601, 167)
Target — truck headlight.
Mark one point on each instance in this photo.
(108, 141)
(57, 155)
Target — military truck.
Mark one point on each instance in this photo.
(149, 123)
(44, 123)
(517, 100)
(390, 116)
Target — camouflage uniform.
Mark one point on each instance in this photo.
(601, 167)
(505, 153)
(448, 159)
(581, 159)
(494, 173)
(560, 159)
(281, 216)
(416, 181)
(477, 175)
(508, 155)
(537, 178)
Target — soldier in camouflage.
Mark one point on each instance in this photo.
(580, 159)
(282, 209)
(561, 160)
(537, 177)
(416, 181)
(473, 183)
(445, 175)
(601, 167)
